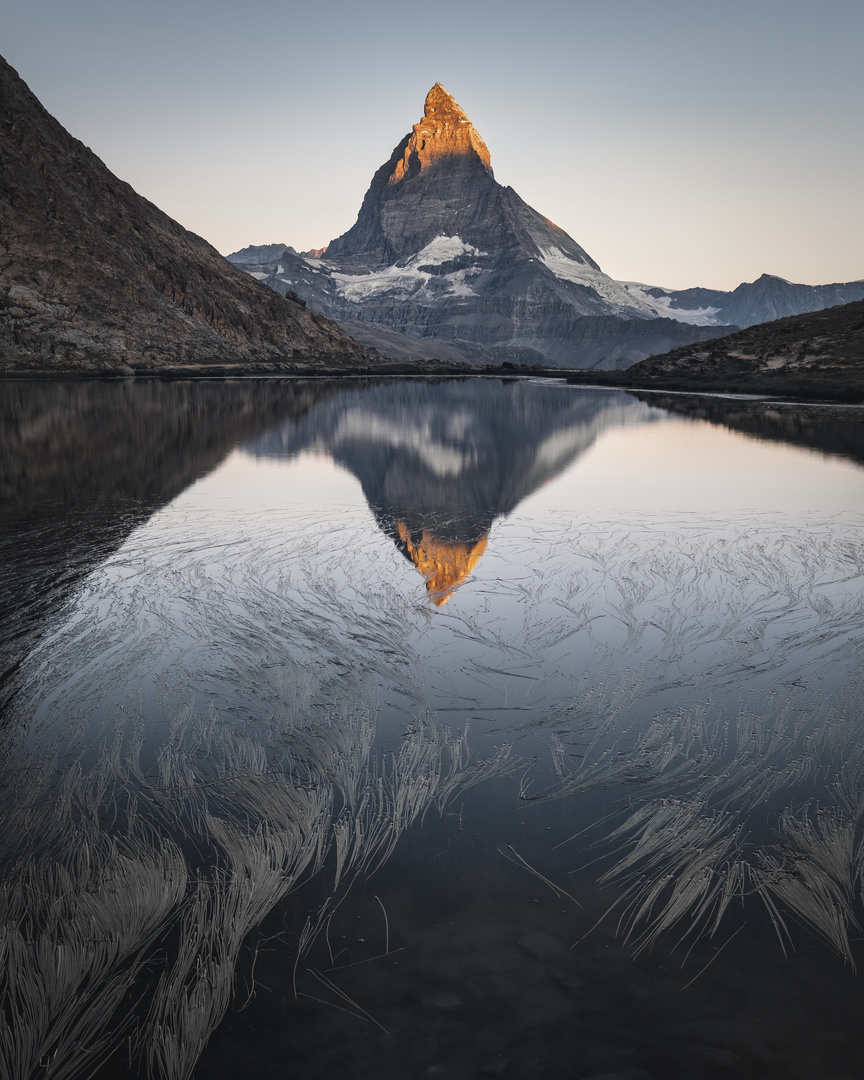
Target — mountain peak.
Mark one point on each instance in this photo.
(444, 132)
(445, 564)
(439, 101)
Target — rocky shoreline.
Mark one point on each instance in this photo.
(795, 392)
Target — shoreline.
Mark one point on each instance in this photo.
(795, 389)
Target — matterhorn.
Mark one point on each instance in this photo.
(443, 261)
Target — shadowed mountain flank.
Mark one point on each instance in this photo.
(95, 277)
(818, 354)
(443, 253)
(439, 179)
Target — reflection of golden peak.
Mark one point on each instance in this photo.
(445, 565)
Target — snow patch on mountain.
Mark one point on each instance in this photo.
(662, 305)
(407, 279)
(441, 250)
(457, 283)
(395, 279)
(568, 269)
(419, 438)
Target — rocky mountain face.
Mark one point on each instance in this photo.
(93, 277)
(445, 255)
(819, 354)
(764, 300)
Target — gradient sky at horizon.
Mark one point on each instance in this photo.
(679, 142)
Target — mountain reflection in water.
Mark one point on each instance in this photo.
(831, 429)
(438, 463)
(219, 714)
(83, 464)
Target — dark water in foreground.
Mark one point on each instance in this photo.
(450, 729)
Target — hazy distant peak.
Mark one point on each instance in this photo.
(767, 298)
(770, 277)
(259, 253)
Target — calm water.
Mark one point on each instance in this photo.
(429, 729)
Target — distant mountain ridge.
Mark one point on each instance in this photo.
(93, 277)
(764, 300)
(444, 254)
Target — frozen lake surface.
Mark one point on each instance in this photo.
(449, 728)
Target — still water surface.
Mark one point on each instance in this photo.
(412, 728)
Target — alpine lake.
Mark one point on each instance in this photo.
(412, 728)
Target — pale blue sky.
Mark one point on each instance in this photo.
(680, 142)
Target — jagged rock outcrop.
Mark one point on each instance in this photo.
(768, 298)
(820, 353)
(93, 277)
(445, 131)
(442, 252)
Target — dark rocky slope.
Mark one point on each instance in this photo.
(443, 253)
(819, 354)
(94, 277)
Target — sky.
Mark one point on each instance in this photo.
(680, 142)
